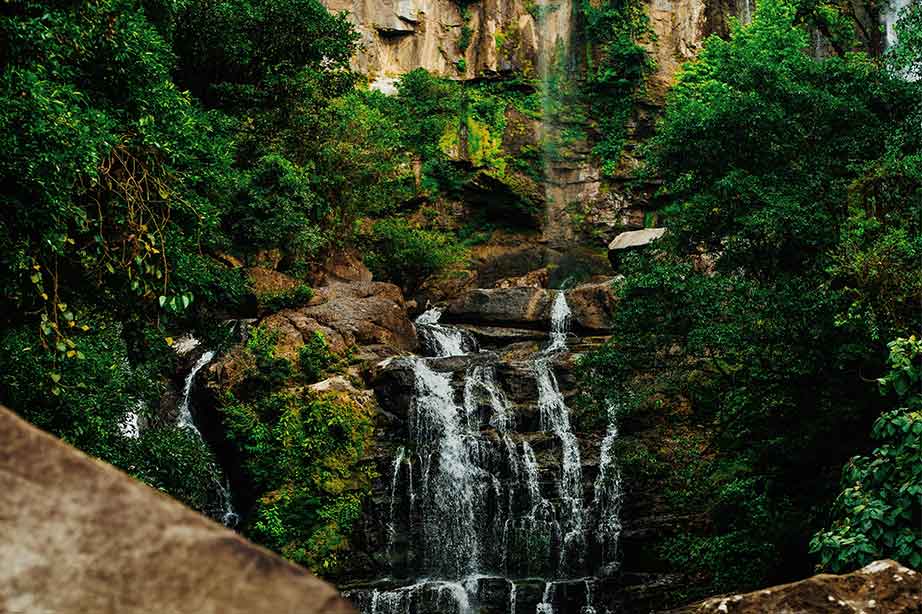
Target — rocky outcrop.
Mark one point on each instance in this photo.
(517, 306)
(79, 536)
(369, 317)
(632, 240)
(397, 36)
(882, 586)
(592, 305)
(503, 310)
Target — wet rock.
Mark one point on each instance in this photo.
(882, 586)
(498, 336)
(80, 536)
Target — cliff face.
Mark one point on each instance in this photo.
(503, 37)
(492, 37)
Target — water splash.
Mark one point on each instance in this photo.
(130, 425)
(546, 606)
(442, 340)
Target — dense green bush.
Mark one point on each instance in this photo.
(301, 452)
(879, 512)
(792, 197)
(407, 255)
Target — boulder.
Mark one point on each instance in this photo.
(882, 586)
(368, 316)
(80, 536)
(265, 281)
(342, 266)
(592, 305)
(518, 306)
(631, 240)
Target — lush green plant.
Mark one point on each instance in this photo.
(407, 255)
(616, 67)
(292, 297)
(793, 209)
(301, 453)
(315, 357)
(879, 512)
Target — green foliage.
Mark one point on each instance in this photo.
(315, 357)
(284, 299)
(407, 255)
(176, 461)
(616, 67)
(792, 255)
(879, 512)
(301, 454)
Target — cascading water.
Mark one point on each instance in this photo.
(556, 417)
(889, 15)
(224, 508)
(480, 509)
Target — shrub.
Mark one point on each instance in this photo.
(879, 512)
(407, 255)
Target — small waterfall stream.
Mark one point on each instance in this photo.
(224, 507)
(480, 517)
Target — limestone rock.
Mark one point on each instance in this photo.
(535, 279)
(79, 536)
(342, 266)
(630, 240)
(882, 586)
(369, 316)
(398, 36)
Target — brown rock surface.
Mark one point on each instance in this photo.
(370, 316)
(266, 281)
(77, 536)
(882, 586)
(520, 306)
(592, 305)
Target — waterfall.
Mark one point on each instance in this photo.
(392, 522)
(451, 487)
(889, 15)
(556, 417)
(442, 340)
(184, 419)
(745, 10)
(130, 426)
(480, 503)
(225, 507)
(607, 497)
(546, 606)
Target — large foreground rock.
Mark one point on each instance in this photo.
(882, 586)
(78, 536)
